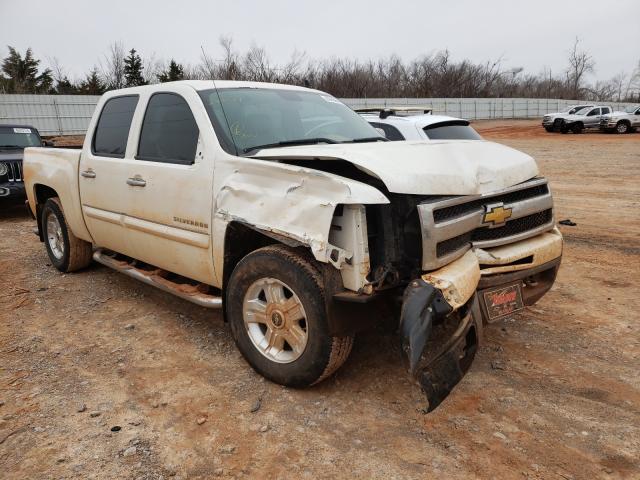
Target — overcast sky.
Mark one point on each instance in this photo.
(534, 34)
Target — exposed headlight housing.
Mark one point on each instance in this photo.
(3, 169)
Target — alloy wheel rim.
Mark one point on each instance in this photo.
(54, 236)
(275, 320)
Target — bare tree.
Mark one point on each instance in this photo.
(152, 67)
(230, 66)
(257, 66)
(112, 66)
(633, 86)
(291, 71)
(433, 75)
(580, 64)
(207, 68)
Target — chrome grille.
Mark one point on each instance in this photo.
(453, 225)
(14, 172)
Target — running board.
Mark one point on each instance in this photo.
(155, 278)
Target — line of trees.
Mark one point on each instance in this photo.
(432, 75)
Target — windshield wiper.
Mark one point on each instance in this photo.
(367, 139)
(285, 143)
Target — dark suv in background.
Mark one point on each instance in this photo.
(13, 140)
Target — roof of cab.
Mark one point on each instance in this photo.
(211, 84)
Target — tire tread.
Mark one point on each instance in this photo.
(80, 251)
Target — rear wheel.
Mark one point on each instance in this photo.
(66, 251)
(276, 309)
(622, 127)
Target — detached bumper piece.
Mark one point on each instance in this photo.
(440, 343)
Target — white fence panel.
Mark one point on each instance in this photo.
(50, 114)
(70, 114)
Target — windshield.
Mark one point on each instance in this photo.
(582, 111)
(631, 109)
(18, 138)
(455, 130)
(245, 118)
(574, 109)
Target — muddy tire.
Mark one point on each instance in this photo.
(549, 129)
(67, 252)
(276, 308)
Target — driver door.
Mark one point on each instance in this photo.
(170, 182)
(592, 118)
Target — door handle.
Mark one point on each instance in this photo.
(88, 173)
(136, 182)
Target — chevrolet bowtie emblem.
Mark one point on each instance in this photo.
(496, 214)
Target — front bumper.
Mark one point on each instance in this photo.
(442, 315)
(12, 189)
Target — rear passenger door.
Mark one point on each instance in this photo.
(104, 167)
(170, 179)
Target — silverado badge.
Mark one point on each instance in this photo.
(496, 214)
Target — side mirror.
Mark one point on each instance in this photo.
(47, 143)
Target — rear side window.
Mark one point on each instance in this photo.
(112, 131)
(169, 131)
(454, 130)
(390, 132)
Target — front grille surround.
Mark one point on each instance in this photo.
(453, 225)
(14, 171)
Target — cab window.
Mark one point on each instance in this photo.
(169, 132)
(451, 130)
(595, 111)
(112, 130)
(391, 132)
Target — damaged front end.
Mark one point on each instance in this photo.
(439, 342)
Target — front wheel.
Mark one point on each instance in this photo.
(622, 127)
(549, 129)
(66, 251)
(276, 308)
(577, 128)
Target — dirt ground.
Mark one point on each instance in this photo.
(103, 377)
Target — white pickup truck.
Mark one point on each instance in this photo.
(285, 208)
(626, 121)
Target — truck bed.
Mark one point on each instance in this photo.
(57, 168)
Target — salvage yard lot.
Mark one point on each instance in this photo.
(554, 391)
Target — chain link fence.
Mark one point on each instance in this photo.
(70, 114)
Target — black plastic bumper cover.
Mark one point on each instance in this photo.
(440, 347)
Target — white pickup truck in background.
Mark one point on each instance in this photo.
(289, 210)
(626, 121)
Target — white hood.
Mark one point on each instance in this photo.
(454, 167)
